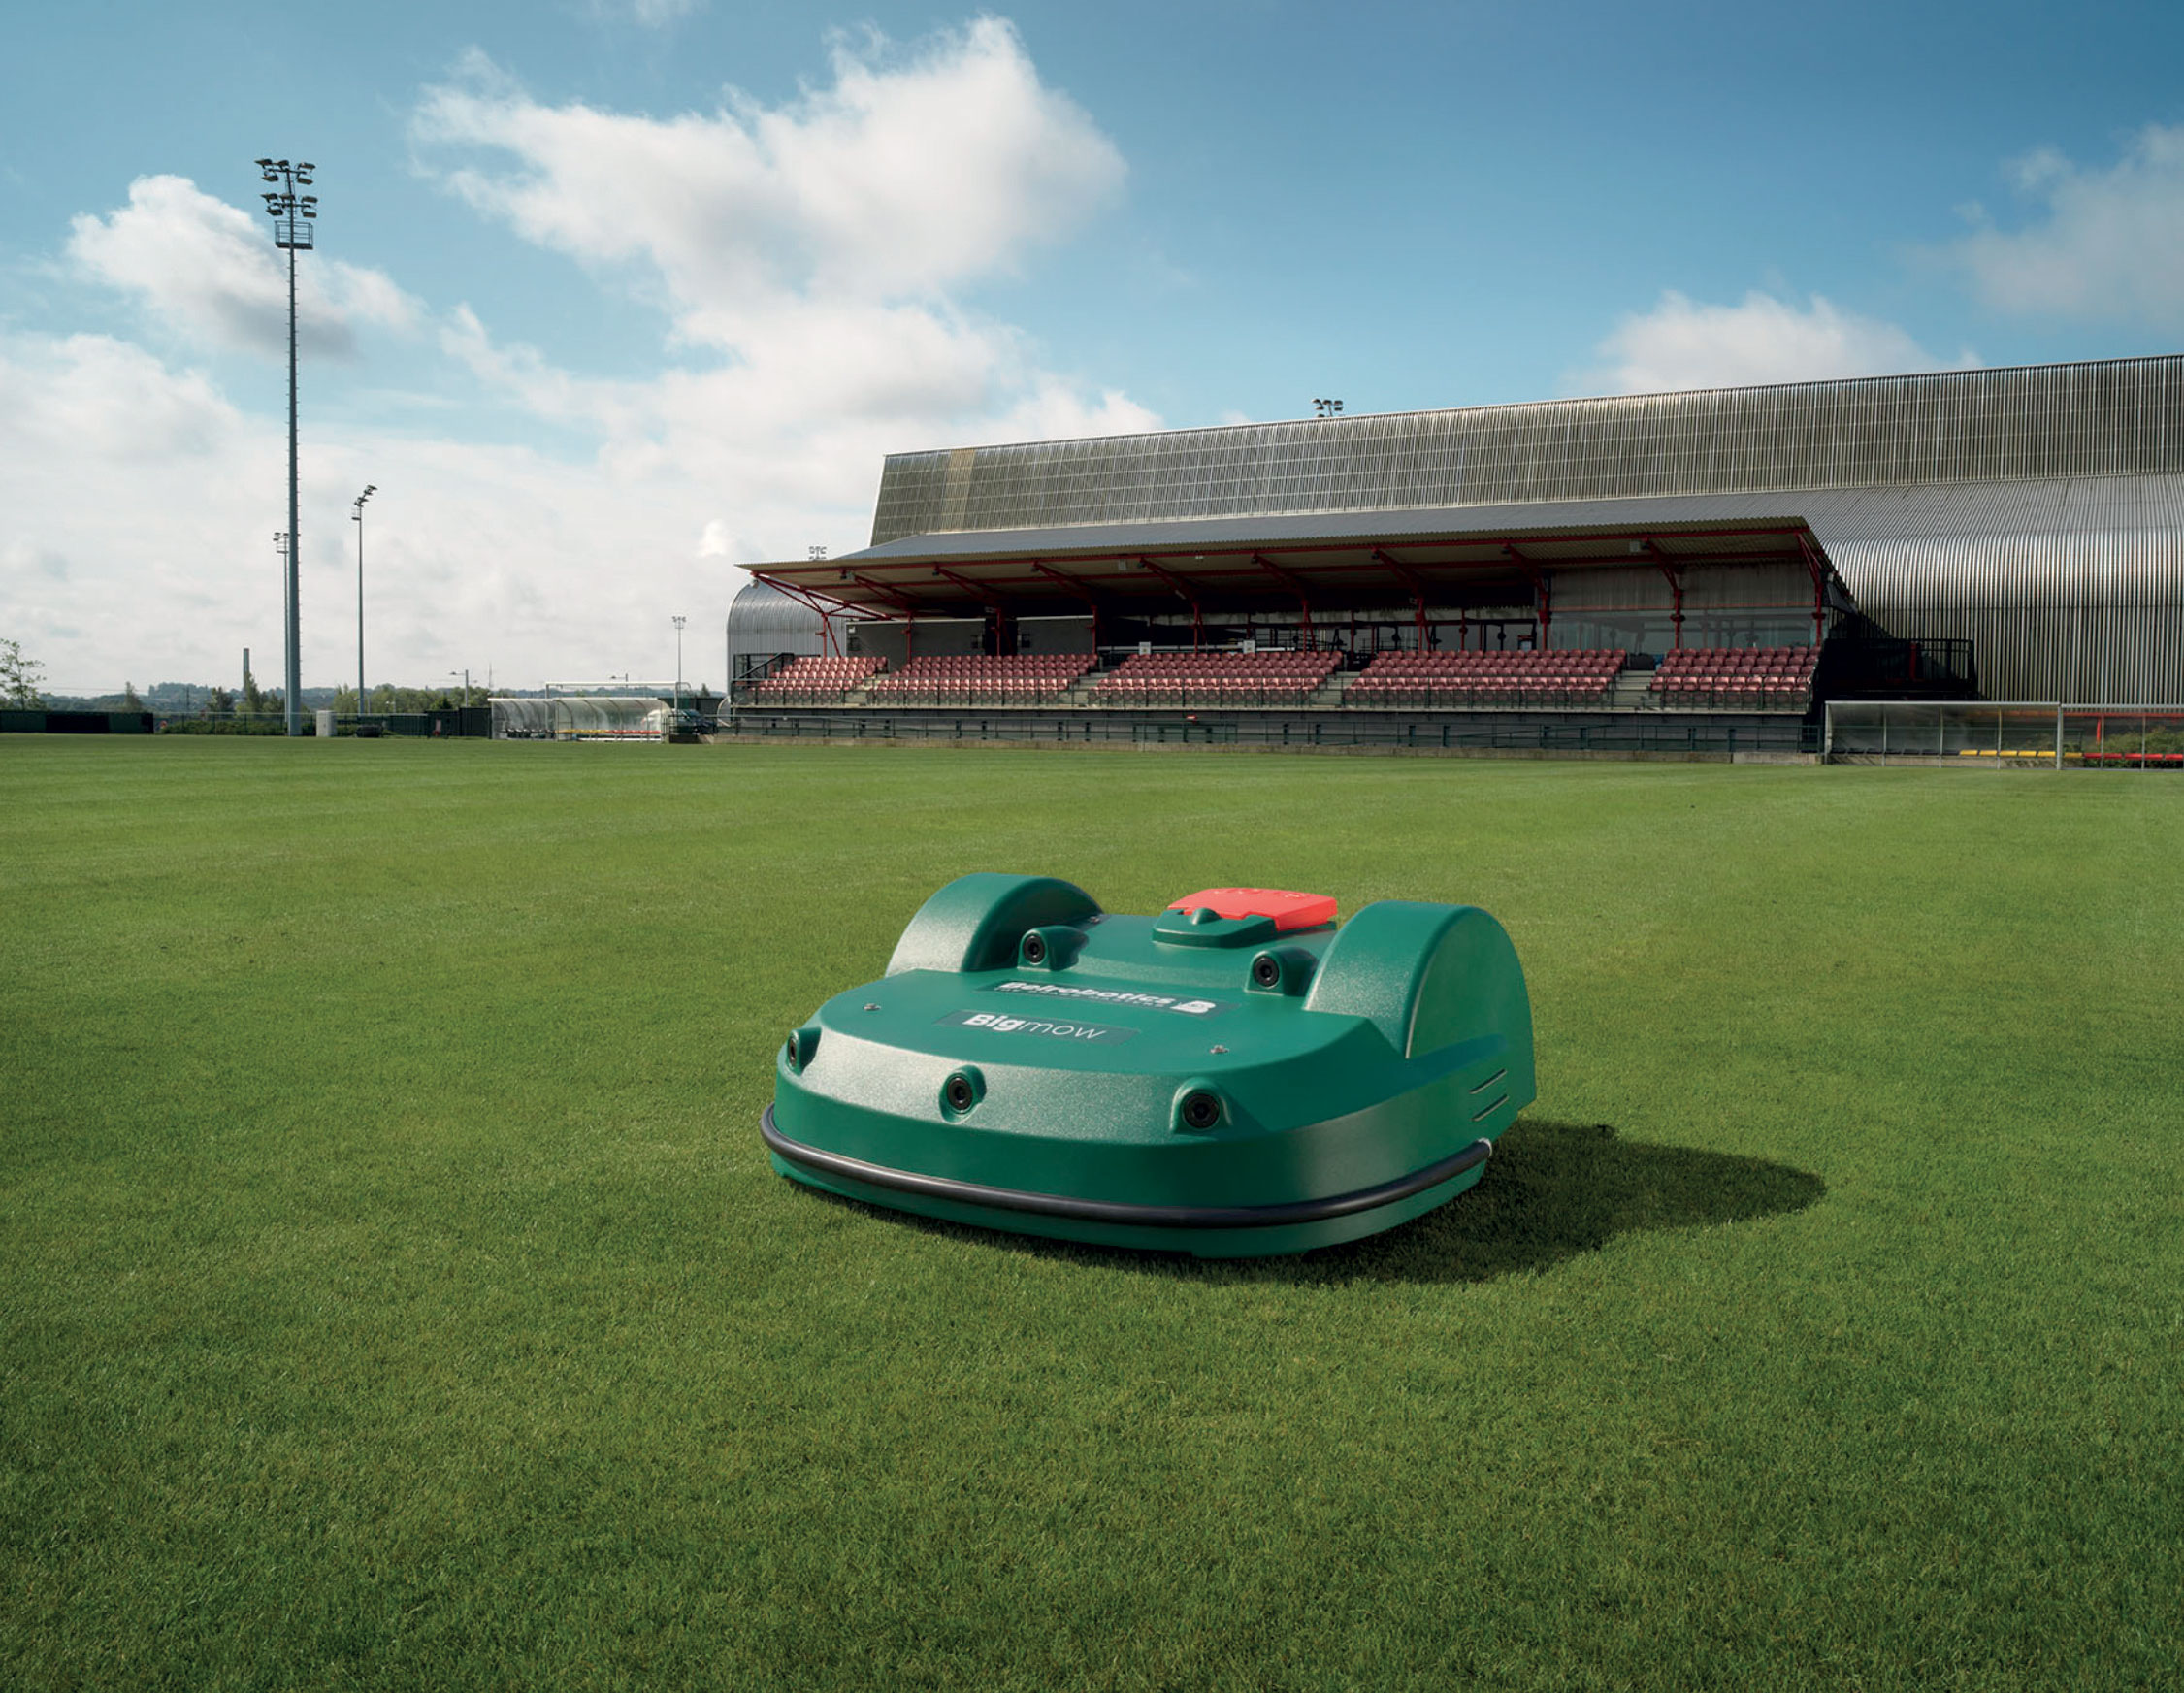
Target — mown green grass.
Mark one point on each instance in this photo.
(393, 1292)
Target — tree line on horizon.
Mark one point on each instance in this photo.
(22, 688)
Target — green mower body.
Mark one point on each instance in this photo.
(1236, 1077)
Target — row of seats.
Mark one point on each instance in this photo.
(962, 678)
(1779, 676)
(1216, 678)
(816, 677)
(1487, 678)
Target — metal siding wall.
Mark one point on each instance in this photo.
(2070, 589)
(762, 621)
(2059, 420)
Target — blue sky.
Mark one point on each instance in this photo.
(613, 297)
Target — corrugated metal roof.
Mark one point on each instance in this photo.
(2137, 521)
(1542, 519)
(763, 620)
(2115, 417)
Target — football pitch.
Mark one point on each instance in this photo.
(396, 1293)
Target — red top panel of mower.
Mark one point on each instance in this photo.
(1288, 910)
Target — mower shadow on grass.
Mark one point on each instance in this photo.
(1556, 1190)
(1552, 1192)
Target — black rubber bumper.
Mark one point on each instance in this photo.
(825, 1163)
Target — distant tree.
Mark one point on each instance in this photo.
(19, 677)
(222, 703)
(129, 699)
(253, 695)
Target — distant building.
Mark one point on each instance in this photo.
(2024, 525)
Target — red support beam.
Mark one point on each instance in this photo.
(1675, 580)
(1416, 585)
(811, 600)
(982, 592)
(908, 605)
(1295, 586)
(1817, 571)
(1543, 595)
(1080, 590)
(1185, 593)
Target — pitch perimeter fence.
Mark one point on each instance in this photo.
(2008, 735)
(1630, 734)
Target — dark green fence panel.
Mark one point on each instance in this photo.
(75, 722)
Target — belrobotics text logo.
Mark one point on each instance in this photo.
(1132, 999)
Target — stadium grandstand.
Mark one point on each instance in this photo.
(1700, 570)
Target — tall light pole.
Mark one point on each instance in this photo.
(292, 216)
(356, 515)
(281, 550)
(678, 622)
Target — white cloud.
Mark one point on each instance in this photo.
(110, 402)
(805, 255)
(809, 249)
(2109, 247)
(137, 510)
(209, 271)
(1689, 343)
(897, 181)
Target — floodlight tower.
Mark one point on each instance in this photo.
(678, 621)
(356, 515)
(292, 214)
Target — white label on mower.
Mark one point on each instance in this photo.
(1000, 1022)
(1112, 996)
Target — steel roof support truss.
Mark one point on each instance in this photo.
(986, 596)
(1414, 585)
(1077, 590)
(1675, 577)
(814, 600)
(1295, 586)
(1186, 594)
(1543, 591)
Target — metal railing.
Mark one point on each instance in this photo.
(1633, 733)
(2007, 734)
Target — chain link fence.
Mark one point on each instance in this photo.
(2010, 735)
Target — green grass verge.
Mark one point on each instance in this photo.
(395, 1293)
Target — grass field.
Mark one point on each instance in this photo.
(395, 1293)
